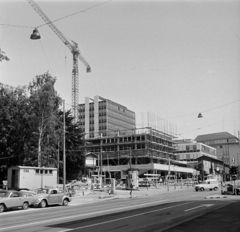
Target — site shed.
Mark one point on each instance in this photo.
(31, 177)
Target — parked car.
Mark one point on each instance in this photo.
(13, 199)
(51, 196)
(211, 184)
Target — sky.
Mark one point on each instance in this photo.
(166, 60)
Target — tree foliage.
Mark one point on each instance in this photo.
(75, 160)
(3, 56)
(13, 134)
(44, 104)
(31, 127)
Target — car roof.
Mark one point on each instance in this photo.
(8, 191)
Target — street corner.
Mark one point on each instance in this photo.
(215, 197)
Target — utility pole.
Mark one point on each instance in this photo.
(64, 149)
(58, 164)
(101, 157)
(238, 156)
(168, 173)
(130, 176)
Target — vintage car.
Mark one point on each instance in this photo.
(50, 196)
(13, 199)
(211, 184)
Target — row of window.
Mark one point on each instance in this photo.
(121, 148)
(187, 151)
(40, 171)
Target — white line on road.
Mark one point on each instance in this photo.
(75, 216)
(119, 219)
(205, 205)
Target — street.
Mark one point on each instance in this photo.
(184, 210)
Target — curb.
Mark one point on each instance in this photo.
(215, 197)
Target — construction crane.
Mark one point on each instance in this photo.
(73, 46)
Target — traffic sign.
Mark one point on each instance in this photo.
(234, 177)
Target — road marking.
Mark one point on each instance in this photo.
(204, 205)
(119, 219)
(86, 214)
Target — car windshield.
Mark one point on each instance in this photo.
(4, 194)
(45, 191)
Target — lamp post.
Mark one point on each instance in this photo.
(64, 149)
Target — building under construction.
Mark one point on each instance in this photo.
(147, 150)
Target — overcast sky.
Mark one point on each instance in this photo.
(162, 59)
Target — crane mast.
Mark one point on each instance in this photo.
(73, 46)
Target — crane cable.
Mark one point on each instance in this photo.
(45, 56)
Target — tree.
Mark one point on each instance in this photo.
(13, 103)
(43, 119)
(75, 160)
(3, 56)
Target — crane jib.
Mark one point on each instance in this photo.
(73, 48)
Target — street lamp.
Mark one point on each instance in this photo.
(64, 149)
(35, 35)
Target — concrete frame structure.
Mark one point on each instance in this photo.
(147, 150)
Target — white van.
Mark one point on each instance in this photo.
(211, 184)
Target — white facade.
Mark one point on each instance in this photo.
(31, 177)
(191, 151)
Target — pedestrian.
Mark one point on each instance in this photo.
(161, 180)
(131, 188)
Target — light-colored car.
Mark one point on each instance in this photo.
(51, 196)
(211, 184)
(13, 199)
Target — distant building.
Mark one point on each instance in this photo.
(190, 151)
(201, 157)
(227, 146)
(105, 117)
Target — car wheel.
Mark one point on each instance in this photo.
(2, 208)
(210, 189)
(196, 190)
(43, 204)
(201, 189)
(25, 205)
(216, 188)
(65, 202)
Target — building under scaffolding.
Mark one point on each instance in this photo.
(147, 150)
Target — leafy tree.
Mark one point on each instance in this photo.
(3, 56)
(43, 119)
(13, 103)
(74, 137)
(31, 128)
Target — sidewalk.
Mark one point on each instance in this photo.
(88, 196)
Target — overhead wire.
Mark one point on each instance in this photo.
(81, 11)
(12, 25)
(45, 55)
(209, 125)
(204, 110)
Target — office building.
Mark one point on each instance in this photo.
(100, 116)
(227, 146)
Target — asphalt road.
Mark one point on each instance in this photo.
(185, 210)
